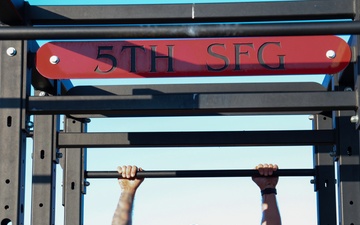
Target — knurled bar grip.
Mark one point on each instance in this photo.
(200, 173)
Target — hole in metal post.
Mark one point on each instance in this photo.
(6, 207)
(41, 205)
(351, 202)
(9, 121)
(6, 222)
(72, 185)
(7, 181)
(42, 154)
(324, 118)
(22, 208)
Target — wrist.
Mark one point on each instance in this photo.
(263, 187)
(268, 191)
(128, 191)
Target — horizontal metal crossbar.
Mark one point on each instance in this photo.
(198, 139)
(179, 31)
(195, 12)
(106, 90)
(200, 173)
(193, 103)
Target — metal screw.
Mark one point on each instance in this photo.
(348, 89)
(331, 54)
(42, 93)
(11, 51)
(311, 117)
(87, 183)
(312, 181)
(354, 119)
(59, 155)
(54, 59)
(29, 124)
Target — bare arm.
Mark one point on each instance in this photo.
(270, 210)
(129, 185)
(271, 214)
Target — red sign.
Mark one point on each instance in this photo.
(193, 57)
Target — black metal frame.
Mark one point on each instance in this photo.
(334, 104)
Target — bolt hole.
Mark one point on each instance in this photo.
(351, 202)
(41, 205)
(72, 185)
(6, 207)
(324, 118)
(42, 154)
(74, 121)
(7, 181)
(6, 222)
(9, 121)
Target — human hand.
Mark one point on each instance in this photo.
(128, 182)
(263, 181)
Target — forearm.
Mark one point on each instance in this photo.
(270, 210)
(123, 212)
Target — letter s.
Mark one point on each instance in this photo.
(216, 55)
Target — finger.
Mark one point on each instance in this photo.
(275, 167)
(133, 171)
(271, 169)
(123, 174)
(119, 169)
(128, 171)
(258, 166)
(266, 170)
(261, 170)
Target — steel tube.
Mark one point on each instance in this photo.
(199, 173)
(179, 31)
(192, 103)
(200, 139)
(190, 12)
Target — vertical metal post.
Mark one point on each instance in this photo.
(348, 148)
(44, 168)
(14, 88)
(74, 167)
(348, 170)
(325, 175)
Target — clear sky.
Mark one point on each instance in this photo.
(206, 201)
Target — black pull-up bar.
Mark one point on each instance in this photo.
(179, 31)
(200, 173)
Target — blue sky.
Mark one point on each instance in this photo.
(208, 201)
